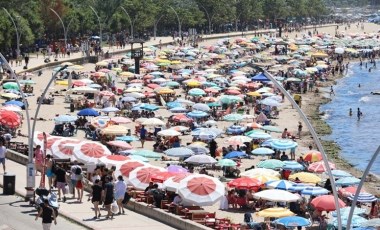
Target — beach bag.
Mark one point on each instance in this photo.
(114, 207)
(66, 189)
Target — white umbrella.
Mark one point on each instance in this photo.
(201, 107)
(82, 89)
(90, 152)
(63, 148)
(201, 190)
(172, 183)
(114, 160)
(141, 176)
(179, 152)
(276, 195)
(260, 172)
(339, 50)
(110, 110)
(153, 122)
(201, 159)
(169, 133)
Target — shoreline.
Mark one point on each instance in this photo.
(332, 149)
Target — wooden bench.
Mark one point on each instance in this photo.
(182, 210)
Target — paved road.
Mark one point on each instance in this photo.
(17, 214)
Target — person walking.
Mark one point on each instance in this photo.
(60, 179)
(48, 215)
(108, 196)
(120, 189)
(38, 159)
(96, 197)
(3, 152)
(142, 135)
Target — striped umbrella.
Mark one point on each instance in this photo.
(364, 197)
(179, 152)
(279, 184)
(292, 165)
(298, 187)
(172, 183)
(270, 164)
(340, 173)
(314, 191)
(283, 144)
(313, 156)
(233, 117)
(319, 167)
(141, 176)
(244, 183)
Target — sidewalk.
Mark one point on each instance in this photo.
(82, 213)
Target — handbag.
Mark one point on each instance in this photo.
(114, 207)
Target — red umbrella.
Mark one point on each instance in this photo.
(79, 83)
(319, 167)
(211, 90)
(120, 144)
(153, 86)
(347, 191)
(49, 142)
(9, 119)
(128, 167)
(326, 203)
(181, 118)
(245, 183)
(106, 93)
(63, 148)
(141, 176)
(160, 177)
(172, 183)
(233, 92)
(104, 70)
(146, 77)
(114, 160)
(38, 138)
(87, 152)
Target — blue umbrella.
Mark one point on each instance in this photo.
(127, 138)
(299, 187)
(292, 165)
(65, 119)
(270, 164)
(347, 181)
(236, 129)
(138, 158)
(340, 173)
(356, 221)
(173, 104)
(197, 114)
(14, 102)
(260, 77)
(344, 212)
(262, 151)
(371, 223)
(363, 197)
(279, 184)
(178, 110)
(258, 135)
(293, 221)
(270, 102)
(235, 154)
(233, 117)
(267, 143)
(199, 149)
(149, 107)
(283, 144)
(201, 107)
(314, 191)
(88, 112)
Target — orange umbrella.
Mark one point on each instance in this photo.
(245, 183)
(313, 156)
(327, 203)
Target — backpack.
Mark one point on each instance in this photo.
(78, 171)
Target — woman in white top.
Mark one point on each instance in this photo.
(120, 189)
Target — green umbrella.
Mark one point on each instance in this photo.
(271, 128)
(233, 117)
(146, 153)
(164, 64)
(171, 84)
(229, 99)
(10, 85)
(214, 104)
(226, 163)
(197, 92)
(270, 164)
(27, 82)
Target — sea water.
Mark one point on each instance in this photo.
(358, 139)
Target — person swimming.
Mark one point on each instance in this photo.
(350, 112)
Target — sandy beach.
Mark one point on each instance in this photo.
(288, 118)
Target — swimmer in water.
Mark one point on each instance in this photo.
(369, 70)
(359, 85)
(350, 112)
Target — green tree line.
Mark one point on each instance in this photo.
(35, 19)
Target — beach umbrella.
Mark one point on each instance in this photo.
(63, 148)
(146, 153)
(13, 108)
(314, 191)
(10, 119)
(244, 183)
(201, 107)
(270, 164)
(201, 190)
(141, 176)
(95, 86)
(185, 102)
(276, 195)
(319, 167)
(10, 95)
(138, 158)
(275, 213)
(292, 165)
(110, 110)
(271, 128)
(371, 223)
(153, 122)
(293, 221)
(121, 120)
(173, 104)
(283, 144)
(262, 151)
(134, 94)
(364, 197)
(50, 141)
(201, 159)
(230, 99)
(127, 138)
(10, 85)
(178, 110)
(115, 130)
(179, 152)
(326, 203)
(180, 128)
(129, 99)
(83, 89)
(347, 181)
(238, 140)
(235, 154)
(347, 191)
(255, 134)
(297, 187)
(346, 210)
(65, 119)
(172, 183)
(306, 177)
(339, 50)
(160, 177)
(313, 156)
(235, 129)
(356, 221)
(340, 173)
(197, 114)
(226, 163)
(126, 167)
(87, 152)
(196, 92)
(14, 102)
(120, 144)
(270, 102)
(264, 178)
(88, 112)
(260, 172)
(169, 133)
(233, 117)
(279, 184)
(197, 149)
(177, 169)
(114, 160)
(149, 107)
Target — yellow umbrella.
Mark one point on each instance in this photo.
(176, 62)
(62, 82)
(163, 61)
(117, 70)
(10, 95)
(254, 94)
(306, 177)
(126, 74)
(198, 143)
(163, 57)
(102, 63)
(133, 89)
(115, 130)
(193, 83)
(275, 212)
(166, 91)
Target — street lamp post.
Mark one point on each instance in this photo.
(179, 21)
(65, 29)
(208, 18)
(17, 31)
(100, 24)
(30, 169)
(130, 21)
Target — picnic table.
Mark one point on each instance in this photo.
(195, 214)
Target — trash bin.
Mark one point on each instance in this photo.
(9, 184)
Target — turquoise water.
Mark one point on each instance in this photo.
(357, 139)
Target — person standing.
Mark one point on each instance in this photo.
(213, 147)
(38, 159)
(120, 189)
(49, 169)
(108, 196)
(299, 129)
(48, 215)
(332, 91)
(3, 152)
(96, 197)
(74, 172)
(359, 114)
(60, 178)
(142, 135)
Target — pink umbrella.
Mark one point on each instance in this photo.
(63, 148)
(172, 183)
(87, 152)
(106, 93)
(114, 160)
(120, 144)
(104, 70)
(153, 86)
(327, 203)
(49, 142)
(319, 167)
(121, 120)
(10, 119)
(79, 83)
(141, 176)
(127, 167)
(160, 177)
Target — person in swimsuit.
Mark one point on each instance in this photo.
(49, 169)
(38, 159)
